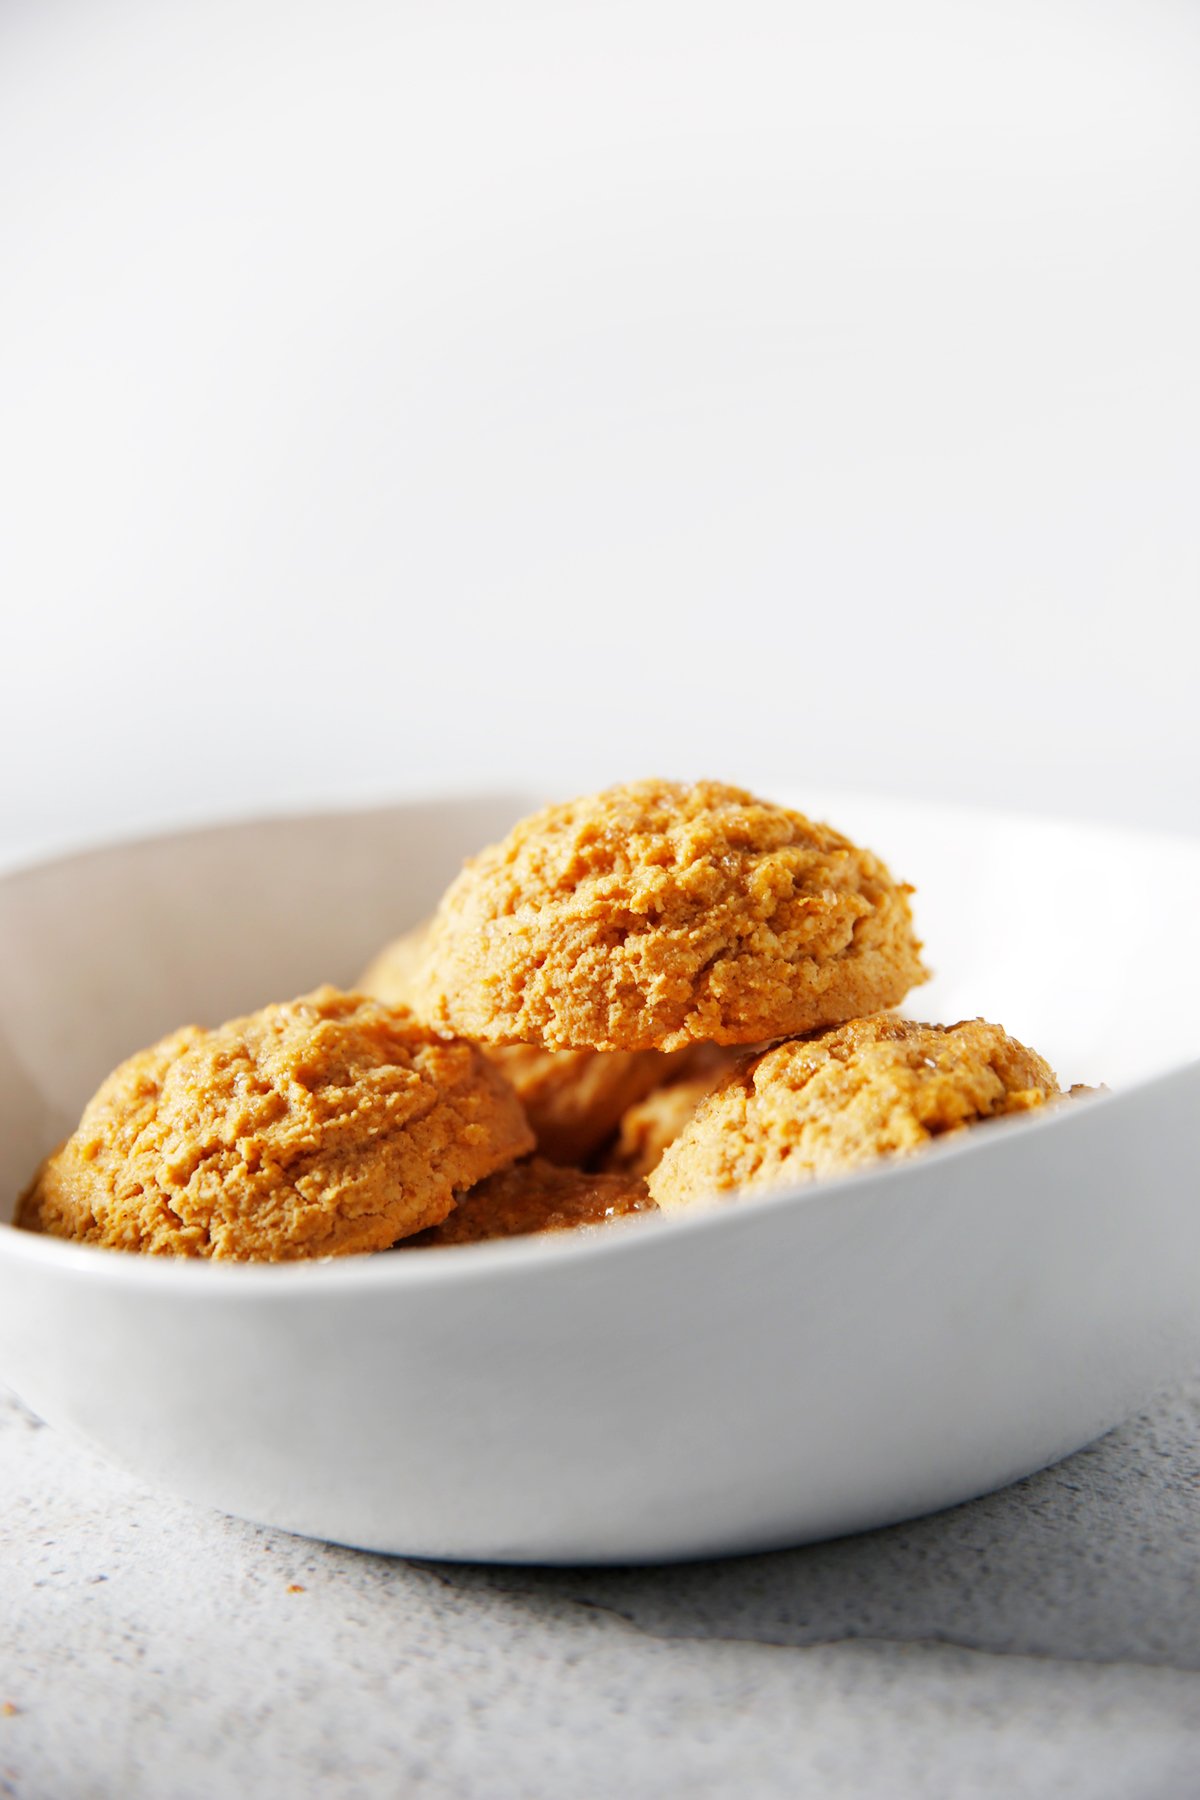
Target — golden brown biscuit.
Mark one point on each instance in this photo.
(536, 1196)
(573, 1099)
(322, 1127)
(817, 1105)
(660, 914)
(390, 975)
(649, 1125)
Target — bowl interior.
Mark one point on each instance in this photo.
(1073, 937)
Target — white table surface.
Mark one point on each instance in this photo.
(1043, 1641)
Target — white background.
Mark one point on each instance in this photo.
(400, 396)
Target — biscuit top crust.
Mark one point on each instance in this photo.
(537, 1196)
(328, 1125)
(660, 914)
(876, 1087)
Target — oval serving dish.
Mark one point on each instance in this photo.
(854, 1353)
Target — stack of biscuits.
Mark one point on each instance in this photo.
(660, 997)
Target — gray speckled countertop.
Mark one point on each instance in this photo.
(1043, 1641)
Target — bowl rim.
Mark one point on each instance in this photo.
(453, 1263)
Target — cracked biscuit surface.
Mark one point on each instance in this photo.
(323, 1127)
(574, 1099)
(837, 1100)
(537, 1196)
(660, 914)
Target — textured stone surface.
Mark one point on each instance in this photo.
(1043, 1641)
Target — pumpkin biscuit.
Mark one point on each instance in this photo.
(322, 1127)
(839, 1099)
(536, 1196)
(660, 914)
(649, 1125)
(391, 975)
(574, 1099)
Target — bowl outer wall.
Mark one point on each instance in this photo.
(786, 1370)
(791, 1368)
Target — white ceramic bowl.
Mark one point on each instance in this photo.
(851, 1354)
